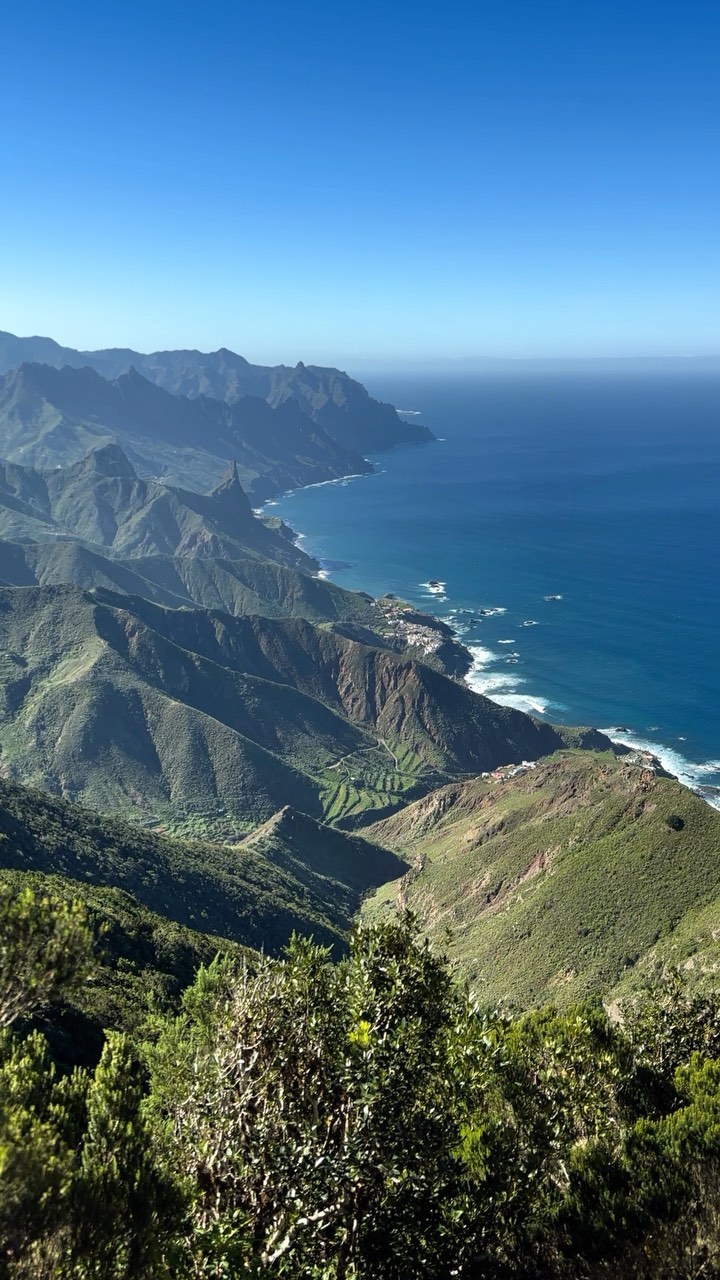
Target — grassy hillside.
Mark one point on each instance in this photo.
(208, 722)
(692, 949)
(291, 875)
(558, 882)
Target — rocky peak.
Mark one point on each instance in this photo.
(109, 460)
(230, 491)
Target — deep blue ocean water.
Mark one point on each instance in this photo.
(601, 488)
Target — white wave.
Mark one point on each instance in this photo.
(501, 686)
(435, 588)
(409, 412)
(527, 702)
(322, 573)
(320, 484)
(692, 774)
(506, 641)
(482, 657)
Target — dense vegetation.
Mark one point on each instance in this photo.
(362, 1118)
(291, 874)
(141, 961)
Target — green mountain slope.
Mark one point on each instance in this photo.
(691, 948)
(101, 502)
(98, 707)
(95, 523)
(291, 875)
(330, 398)
(239, 586)
(557, 882)
(196, 717)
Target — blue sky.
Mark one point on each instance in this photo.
(357, 182)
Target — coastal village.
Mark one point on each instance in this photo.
(410, 629)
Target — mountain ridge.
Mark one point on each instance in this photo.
(555, 883)
(54, 416)
(249, 893)
(329, 397)
(214, 722)
(102, 502)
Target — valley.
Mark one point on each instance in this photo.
(172, 661)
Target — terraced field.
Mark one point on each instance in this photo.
(370, 783)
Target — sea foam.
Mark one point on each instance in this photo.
(692, 774)
(338, 480)
(502, 686)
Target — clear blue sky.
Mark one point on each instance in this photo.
(339, 182)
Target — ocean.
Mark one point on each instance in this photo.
(582, 511)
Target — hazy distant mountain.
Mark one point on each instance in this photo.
(332, 399)
(51, 416)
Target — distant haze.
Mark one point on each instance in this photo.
(539, 365)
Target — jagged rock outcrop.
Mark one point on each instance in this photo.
(102, 502)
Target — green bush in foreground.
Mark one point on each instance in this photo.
(45, 950)
(362, 1120)
(81, 1194)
